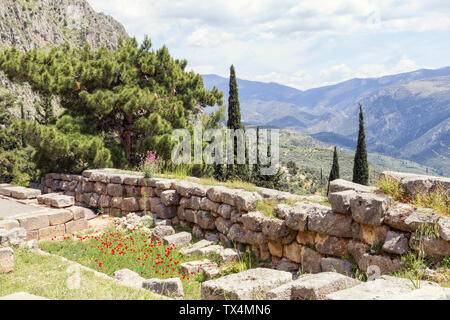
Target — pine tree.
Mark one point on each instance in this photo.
(134, 93)
(45, 114)
(361, 165)
(235, 171)
(334, 173)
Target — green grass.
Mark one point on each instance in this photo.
(47, 276)
(391, 187)
(437, 200)
(115, 250)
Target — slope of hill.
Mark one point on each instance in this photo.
(407, 115)
(33, 24)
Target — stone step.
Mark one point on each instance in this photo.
(56, 200)
(252, 284)
(312, 287)
(18, 192)
(385, 288)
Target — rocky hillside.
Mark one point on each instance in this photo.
(33, 24)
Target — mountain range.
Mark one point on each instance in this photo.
(407, 115)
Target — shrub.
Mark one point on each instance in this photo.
(151, 164)
(436, 200)
(391, 187)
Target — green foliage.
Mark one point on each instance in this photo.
(132, 94)
(16, 167)
(45, 114)
(391, 187)
(334, 174)
(361, 165)
(437, 200)
(58, 151)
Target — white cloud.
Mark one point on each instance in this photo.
(300, 43)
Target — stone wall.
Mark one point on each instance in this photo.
(361, 226)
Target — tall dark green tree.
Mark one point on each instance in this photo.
(361, 165)
(334, 173)
(45, 114)
(235, 171)
(132, 96)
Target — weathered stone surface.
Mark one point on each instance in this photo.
(129, 278)
(52, 231)
(164, 184)
(34, 222)
(104, 201)
(188, 189)
(245, 200)
(225, 210)
(431, 246)
(194, 249)
(170, 198)
(168, 287)
(198, 266)
(306, 237)
(297, 217)
(178, 239)
(76, 226)
(386, 264)
(293, 252)
(205, 220)
(164, 212)
(368, 233)
(275, 248)
(130, 205)
(443, 225)
(215, 193)
(99, 188)
(336, 265)
(14, 236)
(56, 200)
(223, 225)
(383, 288)
(287, 265)
(208, 205)
(62, 216)
(254, 238)
(160, 232)
(407, 218)
(311, 260)
(323, 220)
(237, 233)
(425, 293)
(396, 242)
(369, 208)
(6, 260)
(340, 201)
(229, 196)
(330, 245)
(114, 190)
(282, 210)
(93, 201)
(24, 193)
(317, 286)
(9, 224)
(342, 185)
(250, 284)
(357, 249)
(277, 230)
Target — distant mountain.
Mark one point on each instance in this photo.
(407, 115)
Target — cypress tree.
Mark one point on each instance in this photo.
(361, 165)
(334, 173)
(235, 171)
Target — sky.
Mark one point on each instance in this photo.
(299, 43)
